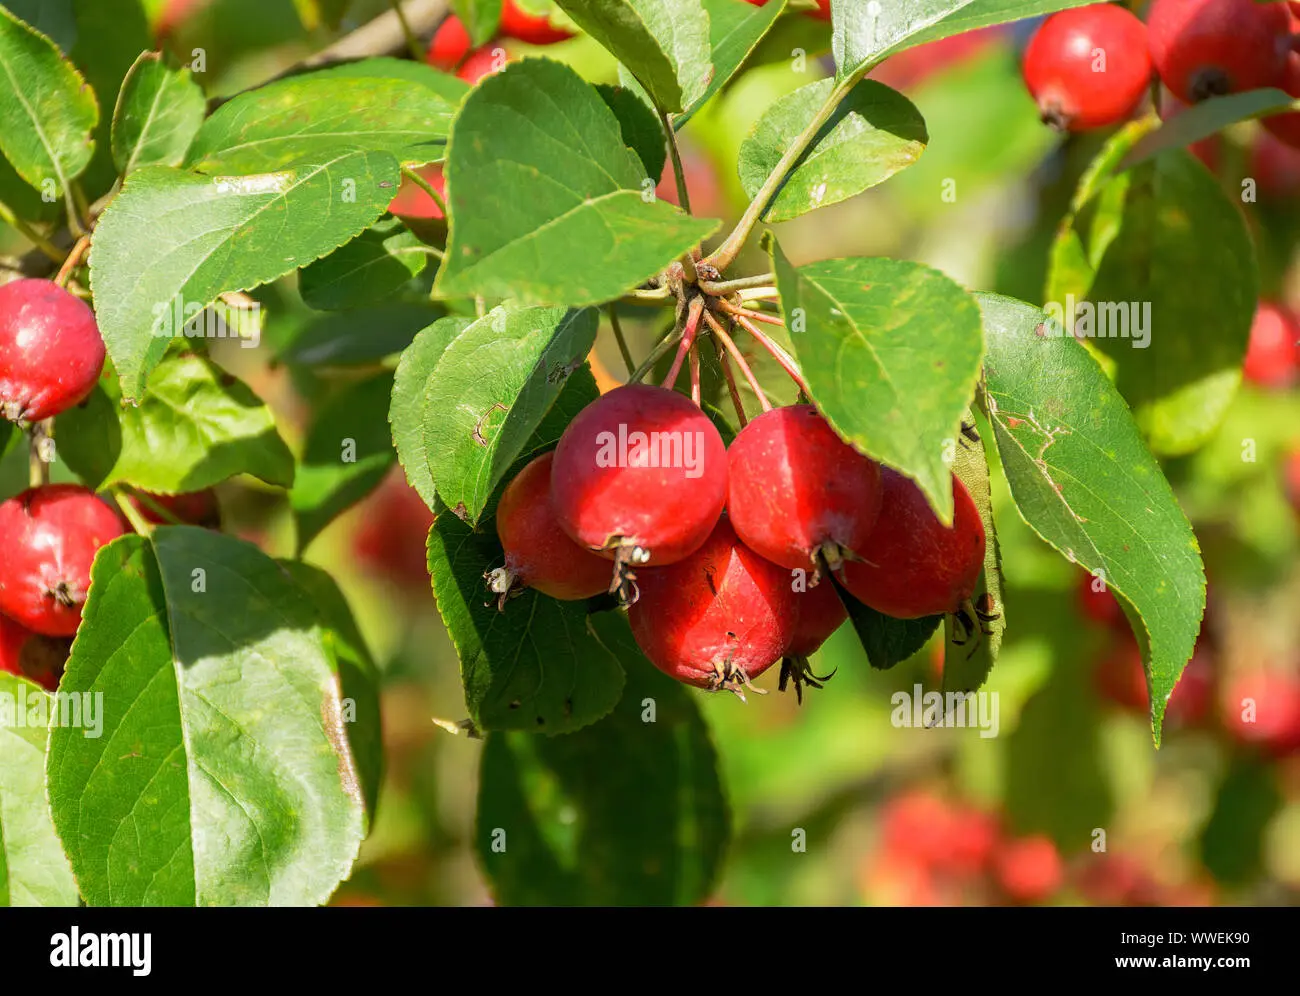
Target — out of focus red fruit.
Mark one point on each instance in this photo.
(1263, 707)
(912, 67)
(31, 655)
(450, 44)
(1101, 606)
(194, 508)
(1275, 166)
(535, 29)
(1273, 355)
(1120, 679)
(412, 201)
(390, 542)
(1029, 870)
(482, 62)
(702, 186)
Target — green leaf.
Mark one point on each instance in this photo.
(365, 335)
(641, 130)
(223, 776)
(628, 812)
(886, 640)
(314, 116)
(490, 390)
(347, 454)
(533, 667)
(196, 425)
(1167, 252)
(891, 351)
(171, 239)
(110, 38)
(33, 869)
(366, 270)
(865, 31)
(735, 29)
(158, 112)
(359, 678)
(585, 233)
(1205, 119)
(973, 645)
(1083, 480)
(406, 411)
(446, 86)
(47, 112)
(664, 43)
(480, 17)
(874, 133)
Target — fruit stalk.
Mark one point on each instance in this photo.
(736, 355)
(687, 341)
(785, 360)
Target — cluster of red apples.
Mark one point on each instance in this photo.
(729, 559)
(51, 357)
(1090, 67)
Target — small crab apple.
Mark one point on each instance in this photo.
(1273, 354)
(1029, 870)
(390, 541)
(1088, 67)
(1275, 165)
(449, 46)
(717, 619)
(798, 494)
(48, 538)
(482, 62)
(31, 655)
(1263, 707)
(534, 29)
(1208, 48)
(51, 354)
(1098, 603)
(1120, 679)
(539, 554)
(413, 201)
(193, 508)
(820, 613)
(912, 565)
(640, 476)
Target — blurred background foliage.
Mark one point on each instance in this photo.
(832, 804)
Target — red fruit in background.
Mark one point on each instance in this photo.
(194, 508)
(913, 66)
(912, 565)
(717, 619)
(1088, 67)
(798, 492)
(535, 29)
(412, 201)
(1208, 149)
(915, 826)
(1207, 48)
(174, 13)
(1263, 707)
(702, 186)
(640, 476)
(1291, 475)
(51, 354)
(1100, 606)
(1029, 870)
(31, 655)
(823, 11)
(972, 837)
(1116, 880)
(393, 534)
(1119, 678)
(48, 539)
(482, 62)
(1286, 127)
(450, 44)
(1273, 354)
(1275, 166)
(538, 552)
